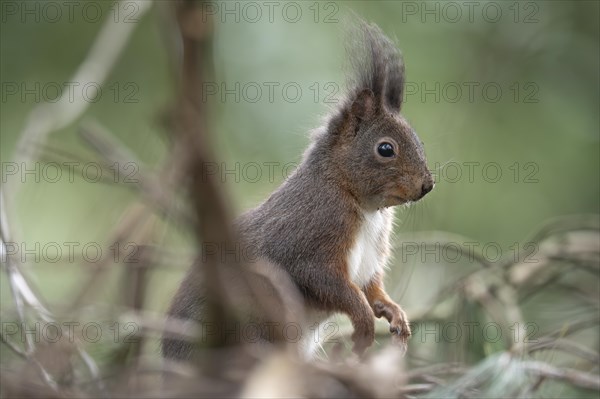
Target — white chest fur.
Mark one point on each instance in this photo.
(364, 259)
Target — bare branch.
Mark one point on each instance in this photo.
(575, 377)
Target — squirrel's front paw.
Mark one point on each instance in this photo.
(363, 336)
(399, 326)
(398, 321)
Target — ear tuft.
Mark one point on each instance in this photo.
(363, 107)
(394, 90)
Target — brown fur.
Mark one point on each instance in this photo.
(310, 224)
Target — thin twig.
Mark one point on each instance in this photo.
(575, 377)
(157, 190)
(566, 346)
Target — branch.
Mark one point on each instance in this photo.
(575, 377)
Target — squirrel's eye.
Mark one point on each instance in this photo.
(385, 150)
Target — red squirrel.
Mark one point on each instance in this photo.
(328, 225)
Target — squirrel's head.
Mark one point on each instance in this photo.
(378, 154)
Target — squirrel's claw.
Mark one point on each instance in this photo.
(400, 328)
(398, 325)
(400, 333)
(400, 342)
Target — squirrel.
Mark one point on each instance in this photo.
(328, 225)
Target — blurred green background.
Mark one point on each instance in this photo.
(541, 131)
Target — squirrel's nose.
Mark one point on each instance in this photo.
(427, 187)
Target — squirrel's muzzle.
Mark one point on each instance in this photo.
(427, 185)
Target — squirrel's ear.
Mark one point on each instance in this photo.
(363, 107)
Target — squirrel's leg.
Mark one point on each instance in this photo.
(384, 306)
(334, 291)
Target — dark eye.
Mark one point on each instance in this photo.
(386, 150)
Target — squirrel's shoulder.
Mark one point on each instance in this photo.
(304, 214)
